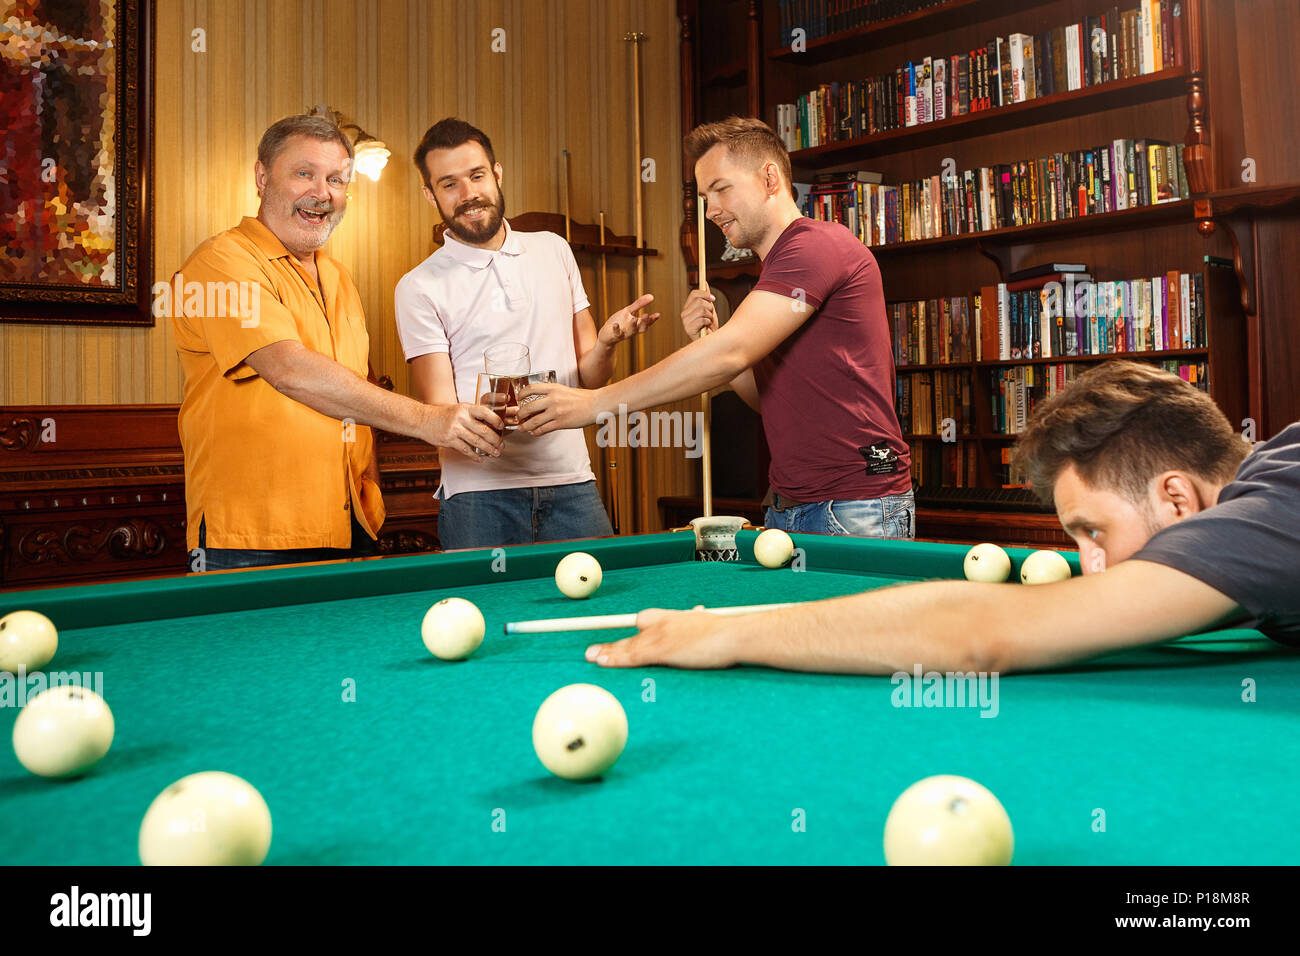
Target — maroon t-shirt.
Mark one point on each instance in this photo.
(827, 391)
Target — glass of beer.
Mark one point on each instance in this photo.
(496, 392)
(534, 378)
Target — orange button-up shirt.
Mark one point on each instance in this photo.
(267, 472)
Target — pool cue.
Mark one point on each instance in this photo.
(611, 451)
(568, 196)
(707, 408)
(602, 622)
(638, 346)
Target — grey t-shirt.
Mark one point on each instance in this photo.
(1247, 547)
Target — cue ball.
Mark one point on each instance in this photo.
(28, 641)
(773, 548)
(1044, 567)
(579, 731)
(206, 819)
(63, 732)
(452, 629)
(578, 575)
(988, 563)
(948, 821)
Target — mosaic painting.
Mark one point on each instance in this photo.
(58, 89)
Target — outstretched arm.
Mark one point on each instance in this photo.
(762, 322)
(940, 625)
(321, 383)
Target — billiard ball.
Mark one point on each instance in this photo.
(988, 563)
(1044, 567)
(28, 641)
(452, 629)
(948, 821)
(578, 575)
(579, 731)
(63, 731)
(773, 547)
(206, 819)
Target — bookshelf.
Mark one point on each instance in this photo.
(1166, 105)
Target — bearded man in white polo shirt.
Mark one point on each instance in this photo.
(487, 285)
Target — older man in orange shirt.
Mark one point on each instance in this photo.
(279, 462)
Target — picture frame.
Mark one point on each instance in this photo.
(76, 230)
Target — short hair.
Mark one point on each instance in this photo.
(747, 139)
(1122, 424)
(303, 124)
(448, 134)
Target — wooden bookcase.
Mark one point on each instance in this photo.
(746, 71)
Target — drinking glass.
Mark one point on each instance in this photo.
(496, 392)
(506, 358)
(534, 378)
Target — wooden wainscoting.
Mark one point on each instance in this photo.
(97, 492)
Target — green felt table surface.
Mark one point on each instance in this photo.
(313, 684)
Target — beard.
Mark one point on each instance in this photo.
(484, 229)
(314, 235)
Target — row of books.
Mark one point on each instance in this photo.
(1110, 46)
(1064, 314)
(1124, 174)
(923, 402)
(818, 18)
(1076, 315)
(954, 465)
(1018, 391)
(933, 331)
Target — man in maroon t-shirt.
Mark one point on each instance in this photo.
(808, 348)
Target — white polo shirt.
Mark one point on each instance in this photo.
(460, 300)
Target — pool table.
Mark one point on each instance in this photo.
(312, 683)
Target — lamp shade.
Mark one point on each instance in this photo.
(370, 158)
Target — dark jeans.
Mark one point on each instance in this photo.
(488, 519)
(224, 559)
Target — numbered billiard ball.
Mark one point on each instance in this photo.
(63, 732)
(1044, 567)
(988, 563)
(579, 731)
(948, 821)
(206, 819)
(452, 629)
(773, 548)
(578, 575)
(28, 641)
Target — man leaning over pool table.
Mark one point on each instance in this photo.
(1146, 475)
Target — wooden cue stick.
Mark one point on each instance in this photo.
(611, 451)
(706, 404)
(638, 344)
(601, 622)
(568, 198)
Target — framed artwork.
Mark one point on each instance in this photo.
(76, 103)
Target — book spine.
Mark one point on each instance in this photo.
(1017, 47)
(1031, 69)
(1176, 26)
(1185, 303)
(1004, 68)
(940, 69)
(910, 105)
(1148, 37)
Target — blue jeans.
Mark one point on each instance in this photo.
(488, 519)
(893, 516)
(225, 559)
